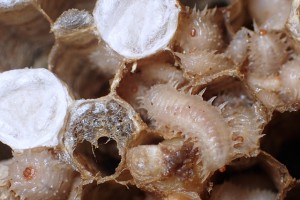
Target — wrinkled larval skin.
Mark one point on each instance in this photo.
(170, 99)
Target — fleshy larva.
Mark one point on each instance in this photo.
(196, 119)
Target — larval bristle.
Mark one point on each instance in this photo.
(211, 100)
(38, 174)
(196, 119)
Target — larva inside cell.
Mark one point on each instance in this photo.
(238, 47)
(176, 111)
(200, 30)
(270, 16)
(261, 177)
(245, 117)
(154, 70)
(226, 126)
(272, 73)
(166, 168)
(207, 62)
(204, 66)
(38, 174)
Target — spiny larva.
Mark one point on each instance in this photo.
(196, 119)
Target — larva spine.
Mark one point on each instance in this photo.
(195, 119)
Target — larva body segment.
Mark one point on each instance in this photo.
(268, 51)
(147, 74)
(290, 77)
(199, 31)
(195, 119)
(237, 49)
(37, 174)
(270, 16)
(246, 121)
(230, 191)
(202, 67)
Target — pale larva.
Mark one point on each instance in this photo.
(36, 174)
(196, 119)
(230, 191)
(290, 77)
(246, 120)
(267, 52)
(203, 66)
(270, 16)
(199, 31)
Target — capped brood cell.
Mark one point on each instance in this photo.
(146, 32)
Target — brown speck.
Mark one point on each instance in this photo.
(29, 173)
(238, 139)
(263, 32)
(193, 32)
(222, 169)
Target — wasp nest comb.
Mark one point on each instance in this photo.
(161, 99)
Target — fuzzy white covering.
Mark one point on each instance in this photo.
(136, 29)
(33, 106)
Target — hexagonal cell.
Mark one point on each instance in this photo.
(251, 178)
(221, 129)
(24, 28)
(282, 139)
(139, 77)
(78, 58)
(245, 117)
(103, 159)
(272, 73)
(97, 135)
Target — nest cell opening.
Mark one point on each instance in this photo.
(104, 159)
(294, 193)
(247, 173)
(282, 139)
(112, 191)
(244, 177)
(6, 152)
